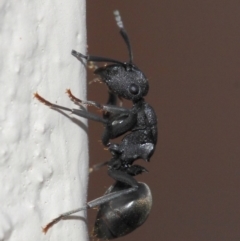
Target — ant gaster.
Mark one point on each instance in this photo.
(126, 205)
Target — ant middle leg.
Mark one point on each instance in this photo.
(81, 113)
(109, 107)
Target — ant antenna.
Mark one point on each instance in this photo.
(92, 58)
(125, 37)
(124, 34)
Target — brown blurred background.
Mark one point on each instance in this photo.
(190, 51)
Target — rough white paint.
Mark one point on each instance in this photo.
(43, 154)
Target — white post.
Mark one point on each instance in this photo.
(43, 153)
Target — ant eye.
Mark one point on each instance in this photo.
(134, 89)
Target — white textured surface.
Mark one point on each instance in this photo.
(43, 154)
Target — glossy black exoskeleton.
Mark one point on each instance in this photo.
(126, 204)
(126, 81)
(121, 216)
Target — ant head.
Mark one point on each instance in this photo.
(125, 80)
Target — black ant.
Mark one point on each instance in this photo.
(126, 205)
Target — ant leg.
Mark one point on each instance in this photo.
(96, 202)
(112, 100)
(98, 166)
(77, 112)
(123, 177)
(115, 149)
(109, 133)
(107, 108)
(117, 126)
(92, 58)
(136, 170)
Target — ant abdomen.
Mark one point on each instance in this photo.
(121, 216)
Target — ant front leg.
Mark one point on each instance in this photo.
(106, 108)
(81, 113)
(112, 100)
(118, 120)
(118, 125)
